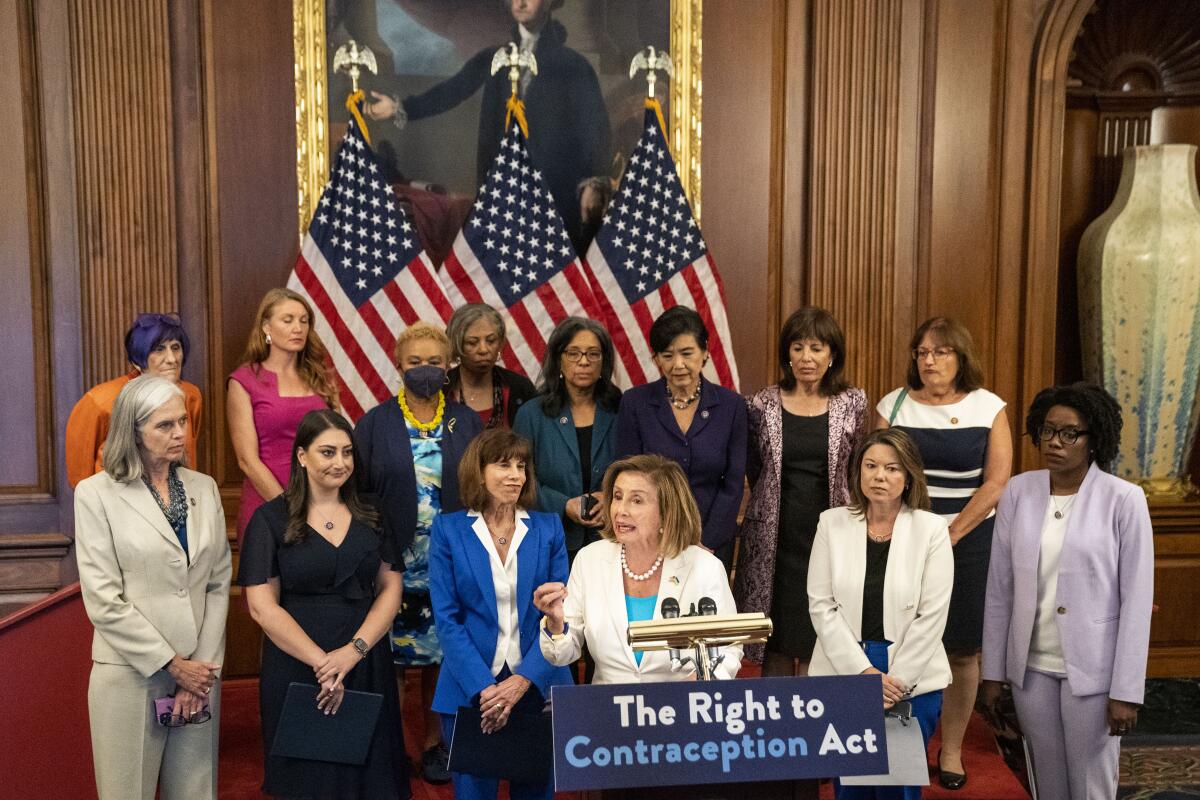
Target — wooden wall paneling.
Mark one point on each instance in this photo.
(1041, 198)
(124, 119)
(252, 186)
(26, 413)
(966, 159)
(189, 146)
(738, 70)
(866, 99)
(790, 266)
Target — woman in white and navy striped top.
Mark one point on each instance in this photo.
(965, 441)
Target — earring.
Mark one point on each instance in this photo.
(268, 337)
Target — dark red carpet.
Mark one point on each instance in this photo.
(241, 754)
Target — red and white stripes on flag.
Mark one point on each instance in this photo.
(513, 253)
(648, 256)
(363, 269)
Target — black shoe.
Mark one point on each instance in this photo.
(950, 780)
(435, 765)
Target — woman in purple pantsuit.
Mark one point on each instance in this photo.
(1069, 593)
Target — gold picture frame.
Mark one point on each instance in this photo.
(312, 113)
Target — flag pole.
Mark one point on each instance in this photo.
(348, 58)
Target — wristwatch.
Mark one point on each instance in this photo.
(361, 647)
(554, 637)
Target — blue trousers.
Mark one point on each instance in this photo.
(926, 709)
(473, 787)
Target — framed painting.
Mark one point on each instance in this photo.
(431, 106)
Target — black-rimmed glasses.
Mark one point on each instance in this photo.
(178, 720)
(1065, 435)
(575, 356)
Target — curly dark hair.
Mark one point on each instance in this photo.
(1101, 416)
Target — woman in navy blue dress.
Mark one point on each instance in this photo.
(965, 442)
(697, 424)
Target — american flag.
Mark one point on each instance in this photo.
(513, 254)
(648, 256)
(366, 275)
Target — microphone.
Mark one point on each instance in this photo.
(670, 610)
(708, 608)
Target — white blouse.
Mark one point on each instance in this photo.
(1045, 647)
(504, 579)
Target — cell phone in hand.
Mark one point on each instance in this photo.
(587, 506)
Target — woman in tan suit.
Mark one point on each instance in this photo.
(154, 568)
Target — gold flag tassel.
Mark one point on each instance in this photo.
(517, 109)
(652, 103)
(356, 97)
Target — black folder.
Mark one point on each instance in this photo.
(307, 732)
(521, 751)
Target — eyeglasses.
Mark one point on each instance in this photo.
(575, 355)
(938, 353)
(1065, 435)
(178, 720)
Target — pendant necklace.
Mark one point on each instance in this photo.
(328, 523)
(1061, 511)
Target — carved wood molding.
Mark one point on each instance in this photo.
(30, 562)
(121, 97)
(1146, 50)
(862, 239)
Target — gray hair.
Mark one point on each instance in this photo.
(466, 316)
(140, 398)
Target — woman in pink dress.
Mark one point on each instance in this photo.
(283, 376)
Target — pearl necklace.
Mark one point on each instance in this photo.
(644, 576)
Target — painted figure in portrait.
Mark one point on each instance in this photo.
(437, 115)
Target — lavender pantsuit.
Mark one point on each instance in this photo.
(1105, 591)
(754, 581)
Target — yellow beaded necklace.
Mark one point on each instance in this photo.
(424, 427)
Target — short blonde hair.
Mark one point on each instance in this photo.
(417, 331)
(677, 507)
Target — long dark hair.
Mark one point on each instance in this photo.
(554, 389)
(311, 426)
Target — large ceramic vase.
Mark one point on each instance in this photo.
(1139, 310)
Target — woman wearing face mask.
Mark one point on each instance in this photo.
(408, 450)
(699, 425)
(282, 377)
(156, 344)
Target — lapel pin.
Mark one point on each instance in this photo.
(562, 420)
(673, 579)
(192, 500)
(450, 424)
(704, 414)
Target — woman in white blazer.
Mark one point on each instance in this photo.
(879, 583)
(649, 551)
(154, 569)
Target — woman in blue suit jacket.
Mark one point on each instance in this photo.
(408, 450)
(572, 426)
(699, 425)
(484, 565)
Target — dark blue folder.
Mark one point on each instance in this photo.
(307, 732)
(521, 751)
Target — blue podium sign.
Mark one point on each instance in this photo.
(761, 729)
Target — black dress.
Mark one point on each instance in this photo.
(803, 495)
(328, 591)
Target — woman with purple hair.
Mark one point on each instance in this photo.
(156, 344)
